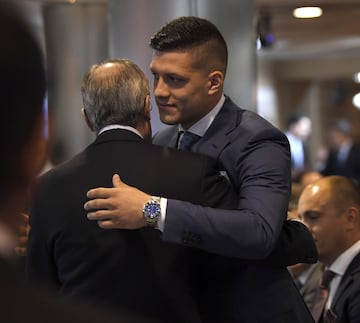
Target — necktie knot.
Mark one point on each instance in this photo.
(187, 140)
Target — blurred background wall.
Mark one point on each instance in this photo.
(278, 64)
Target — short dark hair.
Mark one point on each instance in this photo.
(294, 119)
(22, 90)
(342, 126)
(185, 33)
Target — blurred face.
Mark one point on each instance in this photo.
(183, 93)
(336, 138)
(325, 221)
(303, 128)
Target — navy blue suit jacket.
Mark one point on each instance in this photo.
(255, 157)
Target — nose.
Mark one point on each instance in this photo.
(160, 88)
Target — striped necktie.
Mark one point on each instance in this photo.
(321, 295)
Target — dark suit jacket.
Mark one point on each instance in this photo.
(256, 158)
(345, 307)
(21, 302)
(350, 167)
(127, 269)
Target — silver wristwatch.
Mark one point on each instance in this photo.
(152, 211)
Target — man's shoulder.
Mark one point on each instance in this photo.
(163, 136)
(246, 123)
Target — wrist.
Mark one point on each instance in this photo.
(151, 211)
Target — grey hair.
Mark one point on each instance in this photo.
(116, 96)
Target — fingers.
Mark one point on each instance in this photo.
(25, 218)
(103, 192)
(22, 235)
(107, 224)
(117, 182)
(100, 215)
(100, 192)
(98, 203)
(20, 251)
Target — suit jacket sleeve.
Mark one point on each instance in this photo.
(258, 164)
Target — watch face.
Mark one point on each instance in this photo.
(152, 210)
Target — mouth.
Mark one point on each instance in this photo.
(165, 106)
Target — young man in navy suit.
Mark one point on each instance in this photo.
(189, 66)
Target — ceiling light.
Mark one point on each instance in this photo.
(356, 77)
(307, 12)
(356, 101)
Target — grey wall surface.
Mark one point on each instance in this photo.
(76, 37)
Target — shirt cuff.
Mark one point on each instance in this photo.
(161, 222)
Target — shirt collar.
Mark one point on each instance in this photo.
(199, 128)
(118, 126)
(342, 262)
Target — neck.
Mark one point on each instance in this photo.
(145, 130)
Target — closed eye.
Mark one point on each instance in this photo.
(311, 216)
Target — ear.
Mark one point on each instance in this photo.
(35, 152)
(87, 120)
(147, 108)
(216, 82)
(352, 218)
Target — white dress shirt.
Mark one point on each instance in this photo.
(297, 151)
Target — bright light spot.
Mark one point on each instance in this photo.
(315, 189)
(307, 12)
(356, 101)
(356, 77)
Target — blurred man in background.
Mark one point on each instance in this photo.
(344, 155)
(298, 130)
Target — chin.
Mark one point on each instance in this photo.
(168, 121)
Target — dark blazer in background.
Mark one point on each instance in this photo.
(345, 306)
(233, 291)
(350, 167)
(126, 269)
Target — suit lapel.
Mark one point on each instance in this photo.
(353, 269)
(219, 133)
